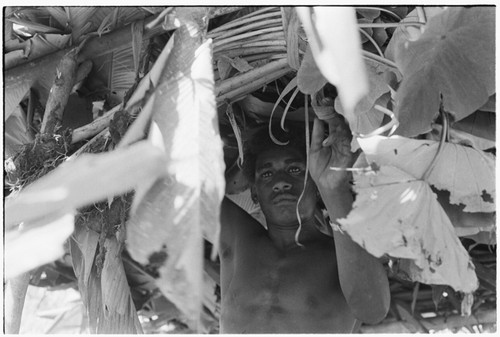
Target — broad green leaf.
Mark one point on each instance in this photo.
(118, 309)
(465, 223)
(309, 77)
(406, 221)
(177, 210)
(36, 243)
(18, 81)
(468, 173)
(85, 180)
(464, 138)
(453, 58)
(83, 247)
(367, 122)
(336, 46)
(378, 84)
(480, 123)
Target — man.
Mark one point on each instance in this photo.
(275, 282)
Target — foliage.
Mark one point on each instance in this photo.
(429, 72)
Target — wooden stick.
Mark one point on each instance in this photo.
(246, 35)
(257, 43)
(246, 88)
(249, 51)
(234, 82)
(253, 26)
(59, 92)
(257, 15)
(96, 126)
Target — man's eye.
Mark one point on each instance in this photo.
(266, 174)
(294, 170)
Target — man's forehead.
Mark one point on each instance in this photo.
(287, 155)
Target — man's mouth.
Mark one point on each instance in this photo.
(284, 198)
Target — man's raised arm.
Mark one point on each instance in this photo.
(362, 277)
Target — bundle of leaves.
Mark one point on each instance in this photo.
(38, 158)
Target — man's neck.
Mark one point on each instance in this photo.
(283, 237)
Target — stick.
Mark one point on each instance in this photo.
(250, 51)
(96, 126)
(234, 82)
(246, 35)
(253, 26)
(59, 93)
(247, 88)
(257, 43)
(257, 15)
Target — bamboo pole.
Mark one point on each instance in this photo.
(96, 126)
(246, 35)
(243, 20)
(250, 51)
(253, 26)
(244, 89)
(236, 81)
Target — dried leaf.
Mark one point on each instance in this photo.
(178, 209)
(36, 243)
(336, 46)
(468, 173)
(407, 222)
(224, 67)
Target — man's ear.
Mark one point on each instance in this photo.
(253, 194)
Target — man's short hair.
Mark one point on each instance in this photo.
(257, 140)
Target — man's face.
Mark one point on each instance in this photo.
(279, 180)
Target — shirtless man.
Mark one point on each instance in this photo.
(269, 283)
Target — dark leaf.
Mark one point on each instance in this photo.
(455, 58)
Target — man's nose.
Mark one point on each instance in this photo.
(281, 185)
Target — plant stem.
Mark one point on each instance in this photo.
(59, 92)
(274, 37)
(250, 76)
(254, 16)
(253, 26)
(242, 90)
(389, 24)
(96, 126)
(249, 51)
(444, 136)
(373, 42)
(246, 35)
(382, 10)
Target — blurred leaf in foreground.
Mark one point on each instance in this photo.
(168, 224)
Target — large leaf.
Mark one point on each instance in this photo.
(84, 180)
(171, 217)
(468, 173)
(39, 45)
(453, 59)
(106, 296)
(336, 46)
(378, 84)
(119, 314)
(406, 221)
(36, 243)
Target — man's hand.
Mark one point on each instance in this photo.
(333, 151)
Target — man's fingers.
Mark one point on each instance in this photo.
(317, 135)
